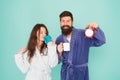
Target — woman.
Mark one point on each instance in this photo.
(38, 58)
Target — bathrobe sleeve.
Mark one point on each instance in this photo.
(52, 55)
(99, 38)
(22, 62)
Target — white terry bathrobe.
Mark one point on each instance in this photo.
(40, 66)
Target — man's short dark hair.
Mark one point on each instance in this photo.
(66, 13)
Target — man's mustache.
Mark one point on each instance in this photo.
(65, 26)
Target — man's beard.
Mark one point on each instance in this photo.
(66, 31)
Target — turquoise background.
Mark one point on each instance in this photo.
(17, 18)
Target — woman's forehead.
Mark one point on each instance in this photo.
(42, 29)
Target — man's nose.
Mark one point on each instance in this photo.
(65, 23)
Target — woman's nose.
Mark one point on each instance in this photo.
(44, 35)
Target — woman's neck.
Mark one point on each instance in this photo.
(39, 44)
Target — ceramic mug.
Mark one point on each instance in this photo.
(66, 46)
(47, 39)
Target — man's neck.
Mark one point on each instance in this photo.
(69, 35)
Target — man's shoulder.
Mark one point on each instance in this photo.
(78, 30)
(59, 37)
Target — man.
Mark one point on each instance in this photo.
(75, 60)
